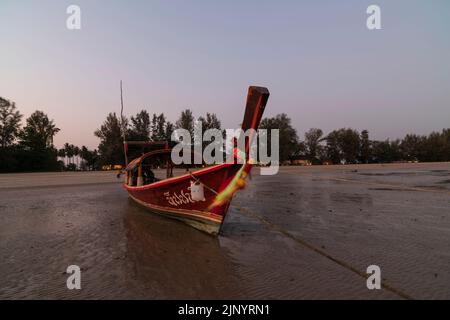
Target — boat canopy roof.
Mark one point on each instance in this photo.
(133, 164)
(161, 152)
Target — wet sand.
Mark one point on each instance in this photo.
(306, 233)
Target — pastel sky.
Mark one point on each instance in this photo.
(324, 68)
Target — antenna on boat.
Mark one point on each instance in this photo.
(122, 125)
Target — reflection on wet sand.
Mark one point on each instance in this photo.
(179, 261)
(360, 215)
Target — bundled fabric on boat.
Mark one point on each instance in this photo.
(197, 191)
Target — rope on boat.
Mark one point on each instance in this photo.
(238, 182)
(198, 180)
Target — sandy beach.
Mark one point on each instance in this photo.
(305, 233)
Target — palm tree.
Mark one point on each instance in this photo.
(66, 152)
(62, 154)
(84, 154)
(70, 153)
(76, 153)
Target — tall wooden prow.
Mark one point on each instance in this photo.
(256, 102)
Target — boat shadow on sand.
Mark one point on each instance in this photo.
(175, 260)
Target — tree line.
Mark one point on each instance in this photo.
(143, 127)
(346, 145)
(75, 158)
(339, 146)
(30, 148)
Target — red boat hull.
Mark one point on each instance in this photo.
(172, 197)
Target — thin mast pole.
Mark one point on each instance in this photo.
(123, 125)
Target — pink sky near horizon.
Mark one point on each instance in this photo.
(319, 61)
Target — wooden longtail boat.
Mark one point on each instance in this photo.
(175, 196)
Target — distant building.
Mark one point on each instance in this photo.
(109, 167)
(300, 161)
